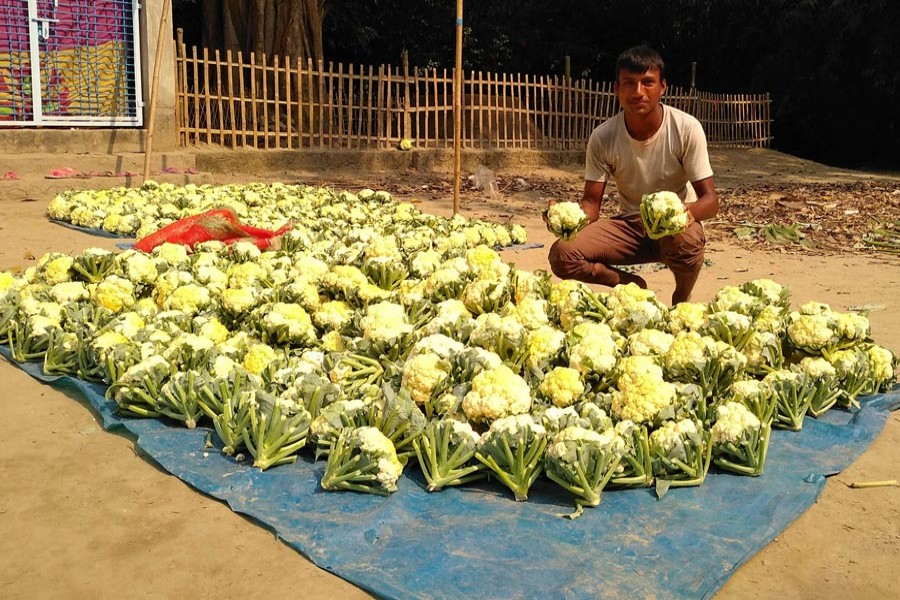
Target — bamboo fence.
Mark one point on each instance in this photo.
(230, 100)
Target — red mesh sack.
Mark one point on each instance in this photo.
(220, 224)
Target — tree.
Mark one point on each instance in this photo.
(272, 27)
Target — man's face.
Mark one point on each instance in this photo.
(639, 93)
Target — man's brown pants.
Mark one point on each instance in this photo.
(621, 240)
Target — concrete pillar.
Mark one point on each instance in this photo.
(165, 134)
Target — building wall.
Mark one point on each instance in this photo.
(164, 131)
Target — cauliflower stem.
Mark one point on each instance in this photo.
(748, 457)
(442, 463)
(273, 437)
(593, 470)
(635, 469)
(516, 470)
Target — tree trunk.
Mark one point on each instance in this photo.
(284, 27)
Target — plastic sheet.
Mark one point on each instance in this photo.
(477, 541)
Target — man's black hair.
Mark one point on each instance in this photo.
(640, 59)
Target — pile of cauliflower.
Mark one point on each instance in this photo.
(388, 338)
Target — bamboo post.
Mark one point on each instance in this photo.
(407, 121)
(181, 90)
(457, 104)
(154, 87)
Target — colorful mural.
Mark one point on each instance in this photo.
(86, 63)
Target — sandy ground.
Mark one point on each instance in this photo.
(84, 515)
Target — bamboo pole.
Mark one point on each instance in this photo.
(181, 94)
(288, 108)
(219, 94)
(232, 113)
(457, 104)
(154, 87)
(240, 60)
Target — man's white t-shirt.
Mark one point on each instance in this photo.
(673, 157)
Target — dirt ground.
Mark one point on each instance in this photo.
(84, 515)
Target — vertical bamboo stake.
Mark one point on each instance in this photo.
(430, 112)
(405, 126)
(528, 116)
(416, 104)
(470, 128)
(276, 108)
(457, 104)
(154, 88)
(240, 61)
(321, 67)
(341, 104)
(254, 112)
(351, 105)
(181, 90)
(310, 93)
(299, 79)
(369, 82)
(504, 90)
(232, 114)
(389, 108)
(206, 99)
(288, 107)
(265, 100)
(220, 92)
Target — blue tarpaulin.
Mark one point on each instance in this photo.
(476, 541)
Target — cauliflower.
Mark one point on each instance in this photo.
(663, 213)
(566, 219)
(544, 347)
(486, 295)
(497, 392)
(453, 319)
(114, 293)
(385, 322)
(882, 367)
(530, 311)
(285, 323)
(138, 267)
(69, 292)
(641, 392)
(503, 335)
(686, 316)
(733, 423)
(811, 332)
(513, 449)
(527, 283)
(562, 386)
(258, 357)
(333, 315)
(582, 461)
(485, 263)
(422, 373)
(633, 308)
(189, 299)
(362, 459)
(770, 292)
(649, 342)
(594, 356)
(566, 297)
(55, 268)
(238, 301)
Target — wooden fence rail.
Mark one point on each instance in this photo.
(270, 102)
